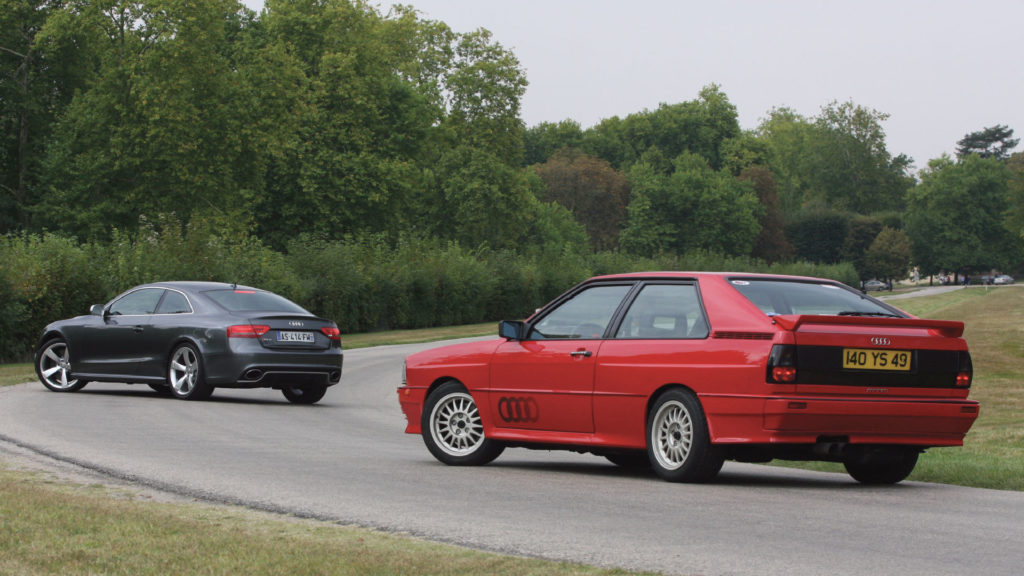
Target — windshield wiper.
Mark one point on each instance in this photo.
(858, 313)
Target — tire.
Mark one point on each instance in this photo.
(305, 394)
(634, 460)
(881, 464)
(185, 374)
(452, 429)
(678, 443)
(53, 367)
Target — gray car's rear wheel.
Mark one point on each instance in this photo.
(53, 367)
(310, 394)
(185, 374)
(452, 429)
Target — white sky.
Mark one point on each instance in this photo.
(939, 68)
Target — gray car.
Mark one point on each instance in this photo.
(184, 339)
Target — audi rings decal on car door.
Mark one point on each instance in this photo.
(518, 409)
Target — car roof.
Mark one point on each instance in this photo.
(698, 275)
(196, 286)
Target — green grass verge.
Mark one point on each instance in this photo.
(56, 528)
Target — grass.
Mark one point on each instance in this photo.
(16, 374)
(48, 527)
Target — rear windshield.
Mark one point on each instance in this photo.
(254, 301)
(775, 297)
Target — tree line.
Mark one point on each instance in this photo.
(334, 120)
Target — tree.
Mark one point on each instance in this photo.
(694, 208)
(992, 142)
(861, 234)
(888, 256)
(838, 158)
(543, 140)
(594, 192)
(818, 234)
(771, 244)
(955, 216)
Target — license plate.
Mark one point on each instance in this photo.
(864, 359)
(295, 337)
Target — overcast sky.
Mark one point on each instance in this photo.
(939, 68)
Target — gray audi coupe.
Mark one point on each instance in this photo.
(185, 339)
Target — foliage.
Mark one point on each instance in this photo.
(955, 216)
(818, 234)
(991, 142)
(888, 256)
(693, 208)
(591, 189)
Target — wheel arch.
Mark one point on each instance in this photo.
(676, 386)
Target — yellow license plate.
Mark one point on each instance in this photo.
(864, 359)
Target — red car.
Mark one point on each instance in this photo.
(680, 371)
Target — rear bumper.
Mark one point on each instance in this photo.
(918, 422)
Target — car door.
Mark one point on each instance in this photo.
(116, 345)
(546, 381)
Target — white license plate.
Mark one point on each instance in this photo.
(295, 337)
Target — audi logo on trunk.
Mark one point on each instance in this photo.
(518, 409)
(881, 341)
(295, 323)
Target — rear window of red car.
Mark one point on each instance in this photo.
(776, 296)
(253, 301)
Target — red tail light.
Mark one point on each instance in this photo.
(782, 364)
(331, 332)
(247, 331)
(784, 374)
(963, 380)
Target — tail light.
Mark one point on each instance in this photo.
(247, 331)
(782, 364)
(965, 371)
(331, 332)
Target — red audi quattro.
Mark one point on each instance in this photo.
(680, 371)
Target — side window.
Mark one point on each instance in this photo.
(585, 316)
(663, 311)
(174, 303)
(138, 303)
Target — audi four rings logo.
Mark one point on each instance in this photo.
(518, 409)
(881, 341)
(295, 323)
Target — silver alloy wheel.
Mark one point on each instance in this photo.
(672, 435)
(55, 366)
(184, 371)
(455, 425)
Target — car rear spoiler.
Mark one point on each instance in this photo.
(947, 328)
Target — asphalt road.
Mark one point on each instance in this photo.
(347, 460)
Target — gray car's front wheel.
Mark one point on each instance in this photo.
(53, 367)
(185, 374)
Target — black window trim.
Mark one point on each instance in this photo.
(620, 314)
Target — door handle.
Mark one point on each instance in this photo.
(583, 353)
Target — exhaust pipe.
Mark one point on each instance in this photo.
(253, 374)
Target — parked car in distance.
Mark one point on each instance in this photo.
(875, 286)
(680, 371)
(185, 339)
(1003, 279)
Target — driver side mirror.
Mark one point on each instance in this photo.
(96, 310)
(512, 329)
